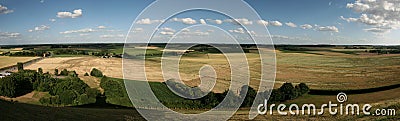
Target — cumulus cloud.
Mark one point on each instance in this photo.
(167, 31)
(328, 28)
(238, 30)
(9, 34)
(306, 26)
(202, 21)
(380, 15)
(148, 21)
(87, 30)
(216, 21)
(275, 23)
(5, 10)
(243, 21)
(101, 27)
(242, 31)
(184, 20)
(74, 14)
(112, 36)
(290, 24)
(262, 22)
(39, 28)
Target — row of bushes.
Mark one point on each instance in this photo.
(116, 94)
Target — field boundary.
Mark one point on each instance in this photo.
(353, 91)
(15, 67)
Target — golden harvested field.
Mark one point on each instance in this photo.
(325, 70)
(111, 66)
(9, 61)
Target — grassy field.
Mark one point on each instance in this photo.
(9, 61)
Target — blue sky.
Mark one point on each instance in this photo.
(288, 21)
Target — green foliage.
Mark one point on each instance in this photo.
(115, 91)
(64, 72)
(56, 72)
(96, 73)
(17, 84)
(67, 97)
(86, 74)
(20, 66)
(288, 91)
(67, 91)
(40, 70)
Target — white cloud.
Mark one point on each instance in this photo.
(184, 20)
(328, 28)
(101, 27)
(148, 21)
(52, 20)
(275, 23)
(283, 37)
(87, 30)
(238, 30)
(216, 21)
(380, 15)
(262, 22)
(5, 10)
(112, 36)
(306, 26)
(74, 14)
(290, 24)
(378, 30)
(242, 21)
(242, 31)
(9, 34)
(167, 31)
(39, 28)
(202, 21)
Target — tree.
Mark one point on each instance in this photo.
(67, 97)
(303, 88)
(20, 66)
(56, 72)
(64, 72)
(96, 73)
(40, 70)
(86, 74)
(288, 91)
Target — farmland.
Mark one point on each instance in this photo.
(6, 61)
(338, 70)
(321, 68)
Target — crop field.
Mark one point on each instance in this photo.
(321, 68)
(318, 69)
(9, 61)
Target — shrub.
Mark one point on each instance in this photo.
(86, 74)
(96, 73)
(56, 72)
(64, 72)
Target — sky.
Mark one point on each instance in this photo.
(288, 22)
